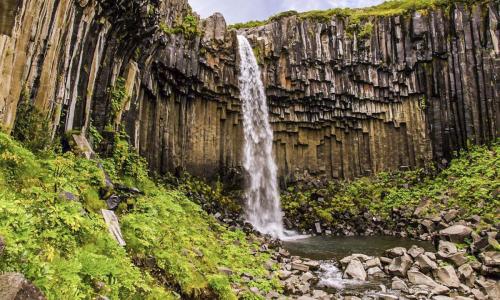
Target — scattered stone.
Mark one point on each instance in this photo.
(415, 251)
(399, 285)
(299, 267)
(490, 258)
(284, 274)
(355, 270)
(446, 249)
(450, 215)
(466, 272)
(395, 252)
(375, 272)
(14, 286)
(456, 233)
(400, 265)
(447, 276)
(425, 264)
(374, 262)
(418, 278)
(312, 264)
(306, 277)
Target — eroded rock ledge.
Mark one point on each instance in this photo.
(417, 88)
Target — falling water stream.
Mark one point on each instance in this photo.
(263, 209)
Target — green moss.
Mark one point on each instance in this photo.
(189, 27)
(386, 9)
(64, 247)
(470, 183)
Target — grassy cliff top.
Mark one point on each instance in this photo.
(388, 8)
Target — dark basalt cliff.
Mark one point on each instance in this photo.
(416, 88)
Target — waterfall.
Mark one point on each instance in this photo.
(263, 209)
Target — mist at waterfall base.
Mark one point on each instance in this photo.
(263, 208)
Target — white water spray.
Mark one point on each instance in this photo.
(263, 209)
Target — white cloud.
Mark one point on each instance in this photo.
(245, 10)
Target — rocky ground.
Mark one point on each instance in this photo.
(465, 265)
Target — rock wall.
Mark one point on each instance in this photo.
(417, 88)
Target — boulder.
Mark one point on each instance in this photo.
(395, 252)
(374, 262)
(466, 273)
(446, 249)
(450, 215)
(425, 263)
(299, 267)
(400, 265)
(458, 258)
(417, 278)
(415, 251)
(14, 286)
(399, 285)
(355, 270)
(456, 233)
(375, 272)
(447, 276)
(312, 264)
(490, 258)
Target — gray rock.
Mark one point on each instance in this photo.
(456, 233)
(446, 249)
(317, 226)
(478, 294)
(400, 265)
(14, 286)
(284, 274)
(355, 270)
(306, 277)
(450, 215)
(299, 267)
(374, 262)
(425, 263)
(395, 252)
(399, 285)
(375, 272)
(447, 276)
(418, 278)
(466, 273)
(458, 258)
(312, 264)
(415, 251)
(490, 258)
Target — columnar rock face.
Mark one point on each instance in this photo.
(415, 89)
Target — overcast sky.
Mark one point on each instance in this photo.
(236, 11)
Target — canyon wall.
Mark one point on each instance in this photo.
(415, 89)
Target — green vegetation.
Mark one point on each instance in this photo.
(471, 184)
(60, 242)
(32, 127)
(189, 27)
(354, 16)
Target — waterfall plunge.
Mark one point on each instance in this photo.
(263, 209)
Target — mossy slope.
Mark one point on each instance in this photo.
(174, 248)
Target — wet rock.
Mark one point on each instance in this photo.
(299, 267)
(312, 264)
(456, 233)
(400, 265)
(14, 286)
(113, 202)
(447, 276)
(355, 270)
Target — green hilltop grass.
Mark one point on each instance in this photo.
(388, 8)
(174, 249)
